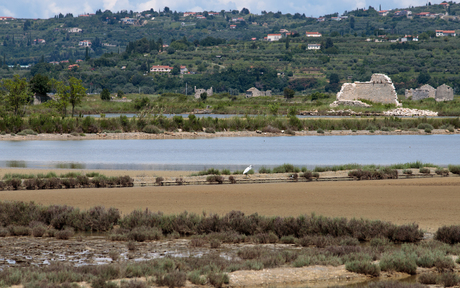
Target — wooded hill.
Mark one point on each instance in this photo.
(226, 58)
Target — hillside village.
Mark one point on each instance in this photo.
(153, 51)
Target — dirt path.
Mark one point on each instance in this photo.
(429, 202)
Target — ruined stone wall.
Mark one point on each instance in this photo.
(444, 93)
(379, 90)
(199, 91)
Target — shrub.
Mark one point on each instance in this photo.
(218, 279)
(427, 278)
(454, 169)
(444, 264)
(214, 243)
(114, 255)
(448, 234)
(270, 129)
(428, 130)
(159, 181)
(30, 184)
(315, 175)
(288, 239)
(83, 181)
(196, 278)
(197, 242)
(265, 170)
(179, 181)
(294, 177)
(3, 232)
(171, 280)
(38, 231)
(64, 234)
(363, 267)
(15, 183)
(131, 245)
(320, 131)
(399, 262)
(442, 172)
(307, 175)
(215, 178)
(249, 252)
(143, 233)
(232, 179)
(425, 126)
(405, 233)
(448, 279)
(425, 170)
(152, 129)
(226, 172)
(15, 230)
(286, 168)
(407, 172)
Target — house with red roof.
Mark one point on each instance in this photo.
(160, 69)
(313, 34)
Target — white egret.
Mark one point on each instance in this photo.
(245, 172)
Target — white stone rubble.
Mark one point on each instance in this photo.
(409, 112)
(354, 103)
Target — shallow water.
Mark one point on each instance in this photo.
(231, 153)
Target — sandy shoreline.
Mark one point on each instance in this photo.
(196, 135)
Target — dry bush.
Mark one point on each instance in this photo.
(39, 230)
(197, 242)
(218, 279)
(271, 129)
(54, 183)
(30, 184)
(131, 245)
(143, 233)
(69, 182)
(232, 179)
(3, 232)
(171, 280)
(307, 175)
(294, 177)
(427, 278)
(64, 234)
(215, 179)
(15, 230)
(179, 181)
(448, 279)
(448, 234)
(250, 252)
(114, 255)
(159, 181)
(83, 181)
(214, 243)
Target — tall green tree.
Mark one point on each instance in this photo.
(71, 94)
(39, 84)
(15, 93)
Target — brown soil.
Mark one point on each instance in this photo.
(430, 202)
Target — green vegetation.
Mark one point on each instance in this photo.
(153, 123)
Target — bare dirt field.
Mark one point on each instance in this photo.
(430, 202)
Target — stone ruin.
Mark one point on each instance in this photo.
(199, 91)
(442, 93)
(379, 90)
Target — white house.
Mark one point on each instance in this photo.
(274, 37)
(441, 33)
(85, 43)
(183, 69)
(160, 69)
(314, 46)
(313, 34)
(74, 30)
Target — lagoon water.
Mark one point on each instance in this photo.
(232, 153)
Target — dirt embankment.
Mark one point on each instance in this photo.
(430, 202)
(196, 135)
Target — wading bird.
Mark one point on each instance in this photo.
(247, 170)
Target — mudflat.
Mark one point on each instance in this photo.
(430, 202)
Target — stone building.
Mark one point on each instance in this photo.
(379, 90)
(39, 99)
(254, 92)
(426, 91)
(199, 91)
(442, 93)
